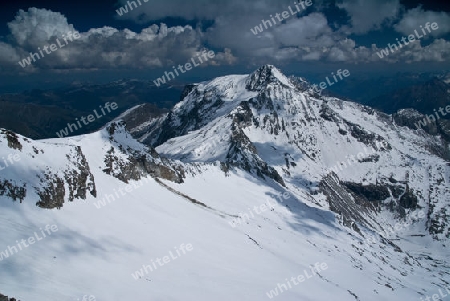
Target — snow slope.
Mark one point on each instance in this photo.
(95, 251)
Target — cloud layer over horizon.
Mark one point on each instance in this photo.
(305, 37)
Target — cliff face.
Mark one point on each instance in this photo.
(60, 172)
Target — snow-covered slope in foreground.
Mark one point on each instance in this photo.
(134, 225)
(96, 251)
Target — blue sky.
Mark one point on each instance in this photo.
(159, 34)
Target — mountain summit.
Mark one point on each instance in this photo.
(267, 74)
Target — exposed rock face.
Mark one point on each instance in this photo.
(371, 192)
(121, 169)
(5, 298)
(52, 191)
(139, 165)
(355, 130)
(411, 118)
(243, 154)
(356, 202)
(127, 164)
(353, 210)
(408, 199)
(188, 120)
(401, 196)
(187, 89)
(439, 224)
(415, 121)
(74, 176)
(328, 114)
(78, 179)
(12, 190)
(366, 137)
(13, 141)
(260, 78)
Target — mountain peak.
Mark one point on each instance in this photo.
(265, 75)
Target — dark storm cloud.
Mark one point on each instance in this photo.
(367, 15)
(306, 37)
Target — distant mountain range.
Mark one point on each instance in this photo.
(40, 114)
(424, 97)
(422, 105)
(364, 88)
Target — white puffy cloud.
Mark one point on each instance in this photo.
(414, 52)
(102, 48)
(367, 15)
(32, 27)
(414, 18)
(438, 51)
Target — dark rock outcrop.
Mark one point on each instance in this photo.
(416, 121)
(78, 179)
(352, 210)
(12, 190)
(52, 191)
(5, 298)
(13, 139)
(127, 164)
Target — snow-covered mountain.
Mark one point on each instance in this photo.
(262, 178)
(266, 125)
